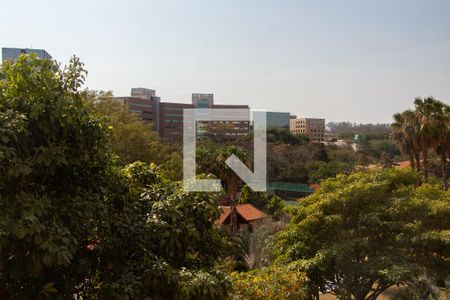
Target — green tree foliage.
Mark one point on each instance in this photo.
(320, 170)
(257, 199)
(132, 139)
(287, 163)
(364, 232)
(278, 283)
(73, 222)
(348, 129)
(54, 167)
(284, 136)
(162, 244)
(275, 207)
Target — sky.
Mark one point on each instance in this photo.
(347, 60)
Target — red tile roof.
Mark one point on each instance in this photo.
(403, 164)
(247, 211)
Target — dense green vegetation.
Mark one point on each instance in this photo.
(91, 206)
(132, 140)
(364, 232)
(348, 129)
(73, 221)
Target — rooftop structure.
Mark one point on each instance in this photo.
(14, 53)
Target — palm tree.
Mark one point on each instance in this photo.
(405, 143)
(441, 122)
(427, 133)
(411, 132)
(404, 131)
(426, 127)
(230, 179)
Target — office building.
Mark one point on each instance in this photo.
(278, 119)
(143, 93)
(167, 117)
(13, 53)
(200, 100)
(312, 128)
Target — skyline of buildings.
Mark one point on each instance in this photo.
(167, 117)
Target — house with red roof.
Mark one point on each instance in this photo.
(248, 217)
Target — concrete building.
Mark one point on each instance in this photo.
(13, 53)
(167, 117)
(312, 128)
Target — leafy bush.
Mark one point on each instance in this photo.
(275, 282)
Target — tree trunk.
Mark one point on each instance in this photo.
(233, 216)
(444, 170)
(417, 156)
(425, 165)
(411, 161)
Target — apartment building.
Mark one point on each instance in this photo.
(167, 117)
(310, 127)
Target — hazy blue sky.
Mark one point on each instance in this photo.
(342, 60)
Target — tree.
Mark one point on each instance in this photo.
(55, 165)
(73, 223)
(257, 199)
(211, 160)
(427, 127)
(131, 138)
(403, 131)
(275, 207)
(162, 244)
(430, 249)
(344, 236)
(427, 132)
(284, 136)
(442, 146)
(230, 178)
(275, 282)
(319, 170)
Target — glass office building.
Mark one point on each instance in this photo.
(278, 119)
(13, 53)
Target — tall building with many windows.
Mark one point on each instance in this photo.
(167, 117)
(13, 53)
(310, 127)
